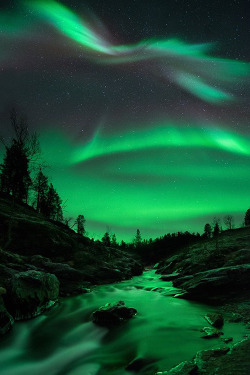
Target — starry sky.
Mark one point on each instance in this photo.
(142, 107)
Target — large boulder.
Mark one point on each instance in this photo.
(72, 281)
(113, 314)
(216, 283)
(30, 293)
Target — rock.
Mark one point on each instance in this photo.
(170, 277)
(39, 260)
(235, 318)
(184, 368)
(210, 333)
(2, 291)
(225, 362)
(203, 356)
(227, 340)
(216, 320)
(216, 283)
(72, 281)
(30, 293)
(6, 320)
(113, 314)
(138, 364)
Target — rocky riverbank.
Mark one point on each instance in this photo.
(42, 260)
(216, 272)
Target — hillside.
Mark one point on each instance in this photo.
(214, 271)
(41, 260)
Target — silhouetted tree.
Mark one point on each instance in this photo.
(15, 170)
(138, 239)
(50, 205)
(228, 221)
(207, 230)
(80, 222)
(41, 187)
(123, 245)
(247, 218)
(216, 230)
(15, 175)
(113, 240)
(106, 239)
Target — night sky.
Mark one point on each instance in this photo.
(142, 107)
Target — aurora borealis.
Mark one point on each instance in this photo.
(142, 108)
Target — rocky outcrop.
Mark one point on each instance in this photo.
(30, 293)
(113, 314)
(215, 283)
(221, 361)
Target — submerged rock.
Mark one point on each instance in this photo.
(226, 340)
(113, 314)
(210, 333)
(30, 293)
(216, 320)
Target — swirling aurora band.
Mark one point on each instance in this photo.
(160, 136)
(184, 64)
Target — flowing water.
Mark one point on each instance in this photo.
(166, 331)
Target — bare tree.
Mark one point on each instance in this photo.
(228, 221)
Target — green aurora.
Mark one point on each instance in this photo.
(162, 180)
(157, 175)
(181, 61)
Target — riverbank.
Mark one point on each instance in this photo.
(216, 272)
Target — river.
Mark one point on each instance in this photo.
(64, 341)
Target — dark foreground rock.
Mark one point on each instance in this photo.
(30, 293)
(113, 314)
(221, 361)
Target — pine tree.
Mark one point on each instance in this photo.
(80, 222)
(138, 239)
(247, 218)
(207, 230)
(106, 239)
(15, 174)
(50, 205)
(40, 186)
(216, 230)
(113, 240)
